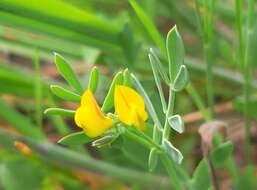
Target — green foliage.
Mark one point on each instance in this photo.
(148, 24)
(174, 153)
(175, 52)
(64, 93)
(20, 173)
(246, 180)
(76, 138)
(181, 79)
(59, 111)
(20, 122)
(109, 99)
(67, 73)
(90, 33)
(153, 159)
(93, 79)
(222, 153)
(201, 178)
(176, 123)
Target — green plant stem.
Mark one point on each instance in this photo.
(239, 28)
(209, 76)
(165, 136)
(166, 129)
(142, 139)
(171, 171)
(149, 143)
(245, 66)
(247, 76)
(208, 43)
(70, 159)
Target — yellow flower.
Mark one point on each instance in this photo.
(130, 107)
(90, 117)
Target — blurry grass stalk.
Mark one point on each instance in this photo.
(70, 159)
(244, 63)
(38, 90)
(206, 22)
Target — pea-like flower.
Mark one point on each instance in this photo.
(90, 117)
(130, 107)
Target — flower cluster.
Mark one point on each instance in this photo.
(129, 107)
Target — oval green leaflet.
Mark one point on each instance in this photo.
(93, 79)
(176, 123)
(181, 79)
(68, 74)
(175, 51)
(172, 152)
(64, 93)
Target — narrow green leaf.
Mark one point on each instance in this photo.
(108, 101)
(19, 122)
(104, 141)
(149, 25)
(93, 79)
(175, 51)
(64, 93)
(60, 111)
(153, 159)
(176, 123)
(173, 152)
(38, 90)
(181, 79)
(68, 74)
(159, 67)
(75, 139)
(222, 153)
(148, 102)
(158, 82)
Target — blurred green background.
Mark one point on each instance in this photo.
(110, 35)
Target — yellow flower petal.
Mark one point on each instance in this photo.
(89, 116)
(130, 107)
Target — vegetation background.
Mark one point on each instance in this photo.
(220, 43)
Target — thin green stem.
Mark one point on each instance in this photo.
(169, 166)
(147, 142)
(239, 29)
(209, 76)
(171, 101)
(245, 66)
(247, 77)
(207, 48)
(206, 30)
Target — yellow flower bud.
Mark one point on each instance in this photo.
(130, 107)
(90, 118)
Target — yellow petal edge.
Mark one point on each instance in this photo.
(130, 107)
(90, 118)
